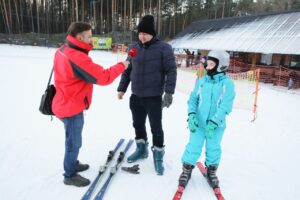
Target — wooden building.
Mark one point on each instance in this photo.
(269, 41)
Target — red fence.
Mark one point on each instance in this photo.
(276, 75)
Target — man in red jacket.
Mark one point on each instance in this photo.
(74, 76)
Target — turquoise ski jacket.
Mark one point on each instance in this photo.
(212, 99)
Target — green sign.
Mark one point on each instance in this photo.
(102, 43)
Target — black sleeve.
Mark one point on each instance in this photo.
(170, 69)
(125, 79)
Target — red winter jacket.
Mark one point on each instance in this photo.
(74, 76)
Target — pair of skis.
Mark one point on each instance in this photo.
(217, 190)
(103, 169)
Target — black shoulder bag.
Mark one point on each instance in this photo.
(46, 101)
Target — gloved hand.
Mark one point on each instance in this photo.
(167, 100)
(133, 170)
(192, 122)
(210, 129)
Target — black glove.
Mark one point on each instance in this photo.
(133, 170)
(167, 100)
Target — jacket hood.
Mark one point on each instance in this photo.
(215, 78)
(74, 43)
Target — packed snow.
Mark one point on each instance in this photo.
(261, 159)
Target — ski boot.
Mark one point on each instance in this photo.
(186, 174)
(158, 154)
(140, 152)
(212, 178)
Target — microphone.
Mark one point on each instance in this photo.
(131, 53)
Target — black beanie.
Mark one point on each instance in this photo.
(147, 25)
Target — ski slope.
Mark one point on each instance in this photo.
(261, 160)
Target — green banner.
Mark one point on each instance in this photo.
(102, 43)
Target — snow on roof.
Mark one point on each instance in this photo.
(273, 33)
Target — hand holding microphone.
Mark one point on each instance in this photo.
(131, 53)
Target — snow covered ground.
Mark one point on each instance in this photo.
(261, 160)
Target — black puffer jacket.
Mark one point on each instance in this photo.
(152, 71)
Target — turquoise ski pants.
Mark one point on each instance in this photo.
(194, 148)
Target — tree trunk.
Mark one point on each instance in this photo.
(43, 19)
(170, 26)
(112, 15)
(223, 9)
(47, 10)
(184, 21)
(37, 16)
(94, 22)
(76, 10)
(21, 14)
(82, 10)
(107, 16)
(159, 17)
(216, 9)
(31, 14)
(101, 16)
(174, 18)
(10, 16)
(60, 15)
(6, 21)
(5, 16)
(125, 21)
(130, 15)
(142, 11)
(17, 15)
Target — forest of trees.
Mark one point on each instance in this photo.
(172, 16)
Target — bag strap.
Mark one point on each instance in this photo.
(50, 77)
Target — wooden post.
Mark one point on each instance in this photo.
(256, 94)
(254, 60)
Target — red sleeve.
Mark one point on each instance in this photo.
(85, 69)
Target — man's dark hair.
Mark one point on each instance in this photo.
(78, 27)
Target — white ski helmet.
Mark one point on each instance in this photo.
(223, 57)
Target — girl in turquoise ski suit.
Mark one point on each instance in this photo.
(209, 103)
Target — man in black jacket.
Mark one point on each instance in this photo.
(152, 73)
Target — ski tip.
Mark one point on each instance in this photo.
(131, 140)
(178, 193)
(218, 193)
(121, 140)
(200, 166)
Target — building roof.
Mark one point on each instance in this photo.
(271, 33)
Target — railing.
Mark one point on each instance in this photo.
(276, 75)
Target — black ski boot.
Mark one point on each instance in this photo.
(186, 174)
(212, 178)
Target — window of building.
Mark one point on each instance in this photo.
(295, 62)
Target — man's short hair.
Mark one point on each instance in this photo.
(78, 27)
